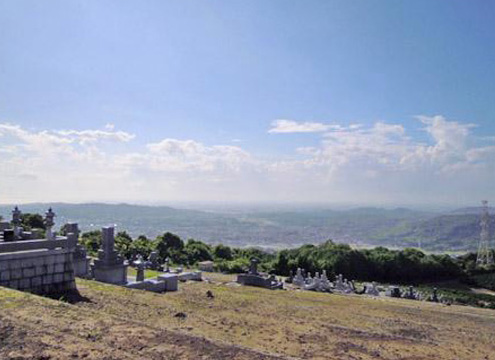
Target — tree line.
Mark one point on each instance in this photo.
(378, 264)
(172, 247)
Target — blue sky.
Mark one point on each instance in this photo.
(220, 74)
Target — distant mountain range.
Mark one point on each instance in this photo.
(453, 231)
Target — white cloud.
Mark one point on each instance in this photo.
(350, 163)
(290, 126)
(109, 126)
(92, 136)
(180, 155)
(382, 163)
(388, 147)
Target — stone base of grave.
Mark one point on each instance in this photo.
(113, 274)
(257, 280)
(149, 285)
(81, 267)
(195, 276)
(171, 281)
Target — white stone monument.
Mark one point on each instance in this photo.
(298, 279)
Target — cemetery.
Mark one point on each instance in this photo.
(48, 263)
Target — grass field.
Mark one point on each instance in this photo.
(131, 272)
(239, 323)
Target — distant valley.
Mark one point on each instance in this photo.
(432, 231)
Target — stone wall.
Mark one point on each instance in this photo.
(38, 271)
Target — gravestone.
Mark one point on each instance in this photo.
(394, 291)
(253, 278)
(372, 290)
(298, 280)
(253, 266)
(109, 267)
(410, 294)
(153, 260)
(324, 282)
(339, 283)
(434, 297)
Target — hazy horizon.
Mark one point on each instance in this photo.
(261, 206)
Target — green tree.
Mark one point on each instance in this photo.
(197, 251)
(170, 246)
(123, 242)
(222, 252)
(32, 221)
(92, 241)
(143, 246)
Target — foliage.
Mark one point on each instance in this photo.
(170, 246)
(456, 293)
(408, 266)
(123, 244)
(142, 245)
(197, 251)
(486, 280)
(91, 240)
(378, 264)
(239, 265)
(222, 252)
(32, 221)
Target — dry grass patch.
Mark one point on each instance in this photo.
(312, 325)
(242, 322)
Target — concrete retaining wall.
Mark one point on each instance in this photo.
(38, 271)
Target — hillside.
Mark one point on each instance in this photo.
(239, 323)
(453, 231)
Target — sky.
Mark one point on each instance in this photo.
(361, 102)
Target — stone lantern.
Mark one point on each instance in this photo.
(16, 221)
(49, 215)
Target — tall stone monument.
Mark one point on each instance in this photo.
(109, 267)
(80, 257)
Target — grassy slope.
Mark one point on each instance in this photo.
(120, 323)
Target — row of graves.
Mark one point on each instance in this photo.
(48, 265)
(303, 280)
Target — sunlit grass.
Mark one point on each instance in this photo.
(147, 273)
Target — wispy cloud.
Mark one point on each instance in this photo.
(290, 126)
